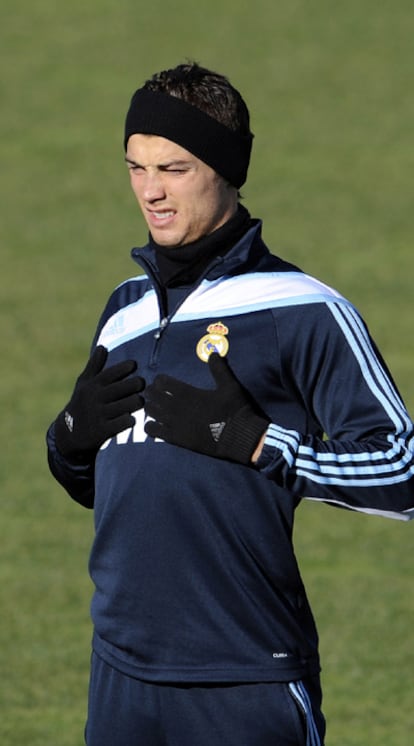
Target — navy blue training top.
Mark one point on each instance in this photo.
(193, 565)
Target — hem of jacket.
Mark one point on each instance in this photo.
(280, 670)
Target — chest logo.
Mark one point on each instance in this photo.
(215, 341)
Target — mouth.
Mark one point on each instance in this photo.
(160, 217)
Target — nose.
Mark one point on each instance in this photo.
(153, 187)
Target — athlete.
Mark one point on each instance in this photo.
(224, 385)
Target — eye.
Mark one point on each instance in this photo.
(133, 167)
(175, 168)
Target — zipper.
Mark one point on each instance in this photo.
(151, 270)
(163, 324)
(165, 317)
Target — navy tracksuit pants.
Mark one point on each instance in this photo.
(124, 711)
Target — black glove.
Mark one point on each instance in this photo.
(224, 422)
(100, 407)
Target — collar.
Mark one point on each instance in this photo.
(184, 265)
(247, 252)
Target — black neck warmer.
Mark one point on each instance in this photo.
(183, 265)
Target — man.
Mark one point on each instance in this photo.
(194, 431)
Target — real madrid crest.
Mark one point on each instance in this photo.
(215, 341)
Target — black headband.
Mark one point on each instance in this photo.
(226, 151)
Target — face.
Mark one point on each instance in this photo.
(181, 198)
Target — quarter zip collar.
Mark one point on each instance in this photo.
(244, 252)
(182, 266)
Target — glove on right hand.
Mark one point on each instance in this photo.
(100, 407)
(224, 422)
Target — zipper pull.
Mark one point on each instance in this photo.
(163, 324)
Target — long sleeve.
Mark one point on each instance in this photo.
(77, 479)
(366, 462)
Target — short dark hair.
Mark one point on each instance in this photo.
(199, 110)
(207, 90)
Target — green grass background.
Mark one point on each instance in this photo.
(330, 90)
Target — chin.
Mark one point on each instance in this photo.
(168, 241)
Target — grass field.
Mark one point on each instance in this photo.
(330, 91)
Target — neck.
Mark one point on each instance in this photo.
(184, 265)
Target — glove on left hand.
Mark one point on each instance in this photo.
(100, 407)
(224, 422)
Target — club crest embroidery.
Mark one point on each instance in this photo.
(215, 341)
